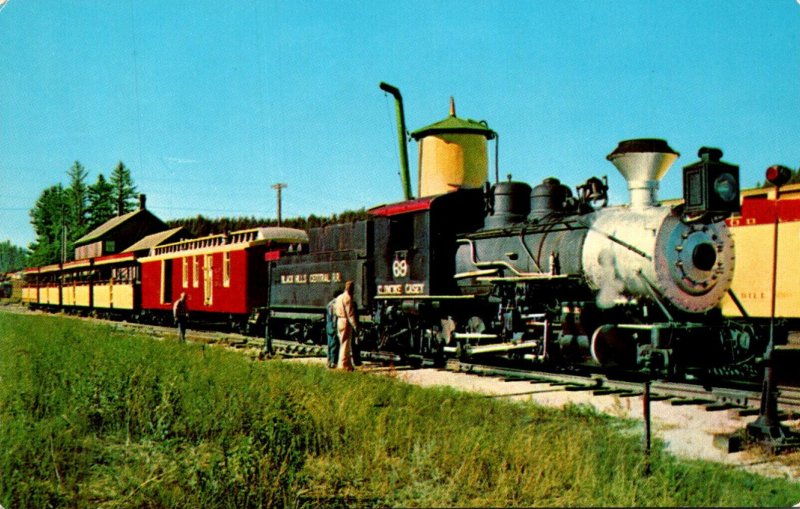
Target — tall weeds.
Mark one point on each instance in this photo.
(91, 416)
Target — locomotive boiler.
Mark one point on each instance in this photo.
(633, 286)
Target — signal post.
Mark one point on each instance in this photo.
(767, 428)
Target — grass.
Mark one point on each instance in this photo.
(93, 416)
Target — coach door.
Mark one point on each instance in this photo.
(208, 285)
(166, 281)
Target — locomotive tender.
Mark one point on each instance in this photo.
(472, 269)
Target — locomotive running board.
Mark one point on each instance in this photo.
(424, 297)
(297, 315)
(530, 277)
(499, 348)
(476, 273)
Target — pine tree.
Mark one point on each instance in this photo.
(48, 217)
(124, 190)
(12, 257)
(76, 198)
(102, 204)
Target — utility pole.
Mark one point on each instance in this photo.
(278, 188)
(63, 237)
(63, 244)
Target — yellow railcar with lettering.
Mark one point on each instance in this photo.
(754, 233)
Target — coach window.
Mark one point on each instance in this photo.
(195, 271)
(401, 234)
(226, 269)
(208, 281)
(185, 272)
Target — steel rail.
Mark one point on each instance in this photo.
(743, 398)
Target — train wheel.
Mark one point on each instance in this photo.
(396, 336)
(237, 325)
(476, 325)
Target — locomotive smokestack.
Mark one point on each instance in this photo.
(643, 163)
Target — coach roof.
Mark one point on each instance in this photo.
(156, 239)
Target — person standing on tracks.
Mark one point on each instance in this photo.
(331, 332)
(346, 326)
(181, 315)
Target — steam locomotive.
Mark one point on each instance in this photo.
(469, 269)
(541, 274)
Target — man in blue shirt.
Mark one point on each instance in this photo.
(330, 332)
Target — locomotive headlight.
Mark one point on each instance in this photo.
(726, 188)
(710, 185)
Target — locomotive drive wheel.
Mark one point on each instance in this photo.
(395, 333)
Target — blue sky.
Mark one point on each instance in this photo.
(210, 103)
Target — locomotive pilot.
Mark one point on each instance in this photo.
(346, 326)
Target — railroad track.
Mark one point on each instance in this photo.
(744, 399)
(227, 339)
(286, 348)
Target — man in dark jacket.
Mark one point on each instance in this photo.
(181, 315)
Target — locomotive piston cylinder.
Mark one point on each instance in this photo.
(613, 346)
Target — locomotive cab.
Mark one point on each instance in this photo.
(415, 243)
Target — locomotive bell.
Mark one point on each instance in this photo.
(452, 154)
(643, 163)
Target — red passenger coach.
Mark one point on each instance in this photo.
(225, 277)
